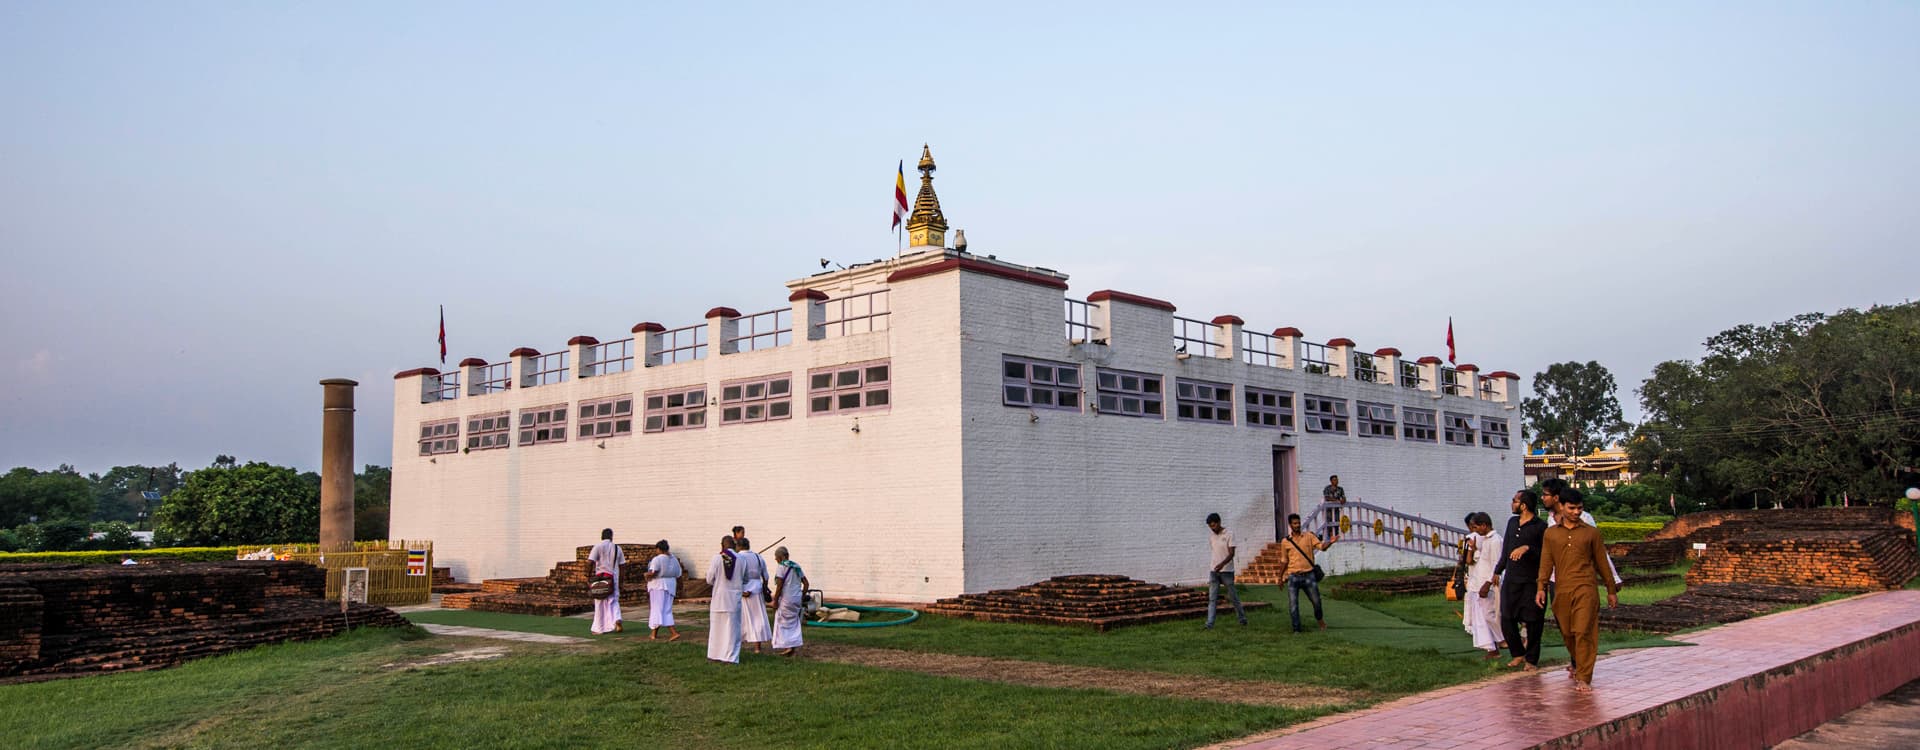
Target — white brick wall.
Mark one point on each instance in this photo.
(949, 491)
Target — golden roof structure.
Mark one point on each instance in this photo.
(926, 226)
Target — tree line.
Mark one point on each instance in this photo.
(1818, 409)
(226, 503)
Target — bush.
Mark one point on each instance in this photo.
(63, 535)
(115, 535)
(109, 557)
(9, 542)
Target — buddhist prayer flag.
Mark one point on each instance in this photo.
(900, 195)
(1450, 359)
(443, 334)
(416, 562)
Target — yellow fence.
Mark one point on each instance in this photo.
(390, 575)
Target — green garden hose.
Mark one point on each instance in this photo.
(910, 617)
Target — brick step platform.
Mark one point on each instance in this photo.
(1101, 602)
(68, 620)
(563, 590)
(1751, 684)
(1848, 559)
(1712, 603)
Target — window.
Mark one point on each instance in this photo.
(758, 400)
(547, 424)
(678, 409)
(850, 387)
(606, 417)
(1493, 433)
(1269, 408)
(1039, 384)
(1200, 401)
(488, 431)
(1129, 394)
(1376, 420)
(1419, 425)
(439, 437)
(1459, 429)
(1326, 414)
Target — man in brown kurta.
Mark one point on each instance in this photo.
(1571, 553)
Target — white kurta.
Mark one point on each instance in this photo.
(723, 633)
(753, 607)
(788, 615)
(607, 558)
(661, 589)
(1483, 614)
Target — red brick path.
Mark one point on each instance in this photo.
(1749, 684)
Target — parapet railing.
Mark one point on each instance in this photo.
(1196, 337)
(684, 344)
(443, 387)
(1410, 376)
(857, 313)
(546, 369)
(608, 358)
(1450, 382)
(1357, 521)
(492, 378)
(1080, 321)
(1315, 358)
(1260, 349)
(765, 330)
(1364, 369)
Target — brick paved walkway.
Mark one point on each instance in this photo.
(1777, 676)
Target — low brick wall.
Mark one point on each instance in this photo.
(1685, 527)
(1850, 560)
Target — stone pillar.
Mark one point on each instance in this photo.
(809, 314)
(1227, 335)
(646, 343)
(583, 360)
(723, 324)
(1340, 356)
(1387, 361)
(1430, 373)
(1289, 345)
(336, 464)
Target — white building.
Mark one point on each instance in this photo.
(934, 424)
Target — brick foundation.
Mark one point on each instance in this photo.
(1101, 602)
(68, 620)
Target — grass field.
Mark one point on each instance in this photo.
(366, 690)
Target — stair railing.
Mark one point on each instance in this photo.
(1366, 523)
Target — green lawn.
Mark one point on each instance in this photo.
(336, 694)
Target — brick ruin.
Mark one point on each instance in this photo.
(1101, 602)
(1701, 605)
(563, 590)
(1853, 560)
(61, 620)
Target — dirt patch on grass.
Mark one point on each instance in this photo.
(1042, 674)
(482, 653)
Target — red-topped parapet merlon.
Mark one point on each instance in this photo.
(1131, 320)
(1386, 361)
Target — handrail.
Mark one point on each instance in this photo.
(1080, 321)
(1315, 359)
(763, 330)
(609, 358)
(855, 313)
(683, 344)
(1195, 337)
(1371, 524)
(1257, 348)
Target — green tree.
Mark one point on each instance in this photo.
(63, 535)
(1574, 409)
(372, 490)
(1798, 412)
(116, 535)
(119, 494)
(30, 496)
(255, 503)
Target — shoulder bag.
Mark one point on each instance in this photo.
(1317, 572)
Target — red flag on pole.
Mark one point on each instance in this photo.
(1450, 340)
(443, 335)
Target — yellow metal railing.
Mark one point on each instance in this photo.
(390, 576)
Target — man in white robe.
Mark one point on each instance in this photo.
(606, 559)
(1482, 597)
(663, 584)
(723, 608)
(753, 596)
(789, 598)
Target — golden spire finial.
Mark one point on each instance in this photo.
(927, 226)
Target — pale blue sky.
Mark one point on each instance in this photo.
(205, 208)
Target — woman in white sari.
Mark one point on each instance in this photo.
(1482, 598)
(789, 596)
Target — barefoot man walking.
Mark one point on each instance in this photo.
(1572, 553)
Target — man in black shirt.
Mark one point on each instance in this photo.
(1517, 575)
